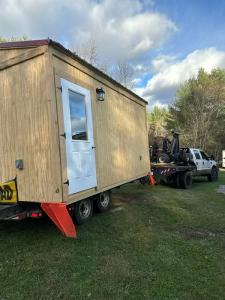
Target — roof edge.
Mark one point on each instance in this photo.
(24, 44)
(60, 47)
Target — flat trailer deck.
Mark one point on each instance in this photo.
(178, 175)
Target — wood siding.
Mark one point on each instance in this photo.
(6, 54)
(120, 129)
(29, 130)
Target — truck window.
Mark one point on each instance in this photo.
(204, 156)
(197, 155)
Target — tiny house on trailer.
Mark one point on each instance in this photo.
(69, 133)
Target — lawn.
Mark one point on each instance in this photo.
(156, 243)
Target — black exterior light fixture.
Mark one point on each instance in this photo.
(100, 94)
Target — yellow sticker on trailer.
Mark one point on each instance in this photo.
(8, 192)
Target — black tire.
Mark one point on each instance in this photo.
(213, 175)
(176, 180)
(164, 158)
(83, 211)
(186, 180)
(103, 202)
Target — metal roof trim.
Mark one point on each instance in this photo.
(60, 47)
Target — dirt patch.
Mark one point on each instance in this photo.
(118, 200)
(221, 189)
(122, 200)
(116, 209)
(192, 234)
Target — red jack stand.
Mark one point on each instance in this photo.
(151, 179)
(58, 213)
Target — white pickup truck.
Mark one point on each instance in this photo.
(188, 162)
(205, 165)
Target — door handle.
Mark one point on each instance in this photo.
(93, 147)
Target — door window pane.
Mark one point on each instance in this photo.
(78, 116)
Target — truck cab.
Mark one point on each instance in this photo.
(223, 159)
(205, 166)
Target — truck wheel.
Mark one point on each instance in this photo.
(83, 211)
(186, 180)
(164, 158)
(213, 175)
(103, 201)
(176, 180)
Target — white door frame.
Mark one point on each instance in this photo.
(81, 161)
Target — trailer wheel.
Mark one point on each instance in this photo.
(83, 211)
(103, 201)
(213, 175)
(186, 180)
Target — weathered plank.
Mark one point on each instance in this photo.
(28, 127)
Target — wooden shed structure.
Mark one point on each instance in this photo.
(58, 138)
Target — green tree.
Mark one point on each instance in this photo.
(157, 122)
(198, 112)
(13, 39)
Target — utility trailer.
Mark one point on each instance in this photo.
(69, 134)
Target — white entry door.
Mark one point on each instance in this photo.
(80, 150)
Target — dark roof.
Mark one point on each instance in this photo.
(58, 46)
(24, 44)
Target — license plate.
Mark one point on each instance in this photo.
(8, 192)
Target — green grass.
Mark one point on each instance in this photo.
(163, 244)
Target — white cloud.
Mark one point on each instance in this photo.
(122, 29)
(162, 86)
(161, 62)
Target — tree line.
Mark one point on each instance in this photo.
(197, 113)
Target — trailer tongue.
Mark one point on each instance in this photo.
(19, 212)
(10, 208)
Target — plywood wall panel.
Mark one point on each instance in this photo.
(28, 127)
(120, 131)
(10, 53)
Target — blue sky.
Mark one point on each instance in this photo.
(200, 27)
(165, 41)
(201, 24)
